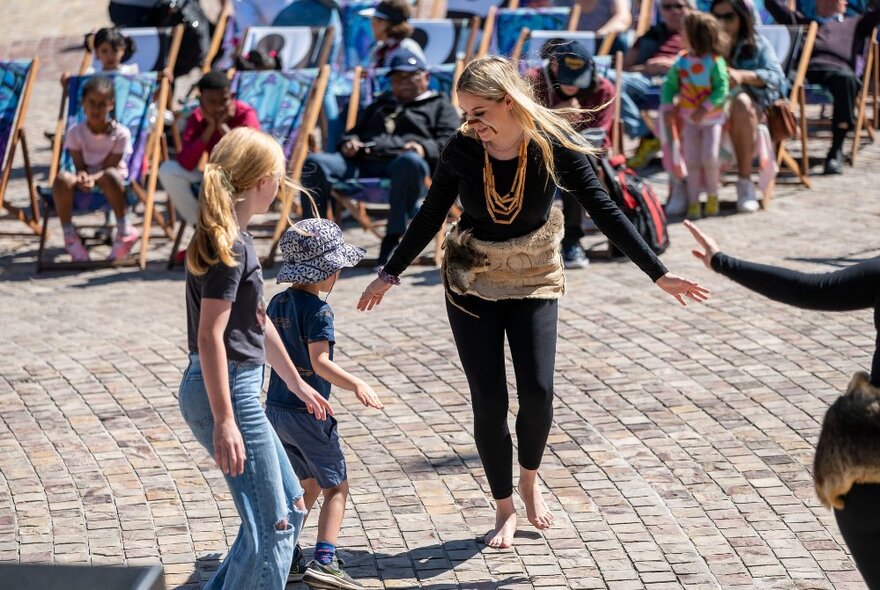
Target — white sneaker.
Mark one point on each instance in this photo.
(677, 203)
(745, 196)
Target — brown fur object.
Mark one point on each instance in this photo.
(848, 451)
(527, 267)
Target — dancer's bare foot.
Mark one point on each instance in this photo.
(505, 525)
(536, 509)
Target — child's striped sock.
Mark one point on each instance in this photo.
(324, 552)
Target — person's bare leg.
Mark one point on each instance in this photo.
(743, 125)
(530, 491)
(62, 193)
(113, 187)
(332, 513)
(501, 537)
(311, 491)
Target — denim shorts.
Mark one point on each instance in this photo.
(312, 445)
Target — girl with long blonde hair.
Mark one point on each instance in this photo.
(229, 342)
(502, 267)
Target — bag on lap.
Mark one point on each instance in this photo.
(638, 201)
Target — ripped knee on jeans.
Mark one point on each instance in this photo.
(282, 526)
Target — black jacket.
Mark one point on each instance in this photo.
(430, 122)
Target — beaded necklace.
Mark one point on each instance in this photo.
(504, 209)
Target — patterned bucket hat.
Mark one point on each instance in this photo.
(314, 249)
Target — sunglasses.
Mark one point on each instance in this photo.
(674, 6)
(725, 16)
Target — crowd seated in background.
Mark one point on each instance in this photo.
(399, 136)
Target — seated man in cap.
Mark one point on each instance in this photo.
(568, 79)
(217, 114)
(399, 136)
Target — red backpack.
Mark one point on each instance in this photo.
(639, 203)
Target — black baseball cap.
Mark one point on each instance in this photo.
(404, 60)
(394, 11)
(575, 64)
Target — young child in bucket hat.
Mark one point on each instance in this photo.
(314, 252)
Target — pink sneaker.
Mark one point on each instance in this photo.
(74, 246)
(122, 244)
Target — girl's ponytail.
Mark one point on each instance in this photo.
(217, 227)
(237, 163)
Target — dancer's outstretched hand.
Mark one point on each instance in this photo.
(680, 288)
(708, 245)
(373, 294)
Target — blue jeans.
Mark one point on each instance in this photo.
(638, 92)
(264, 494)
(407, 173)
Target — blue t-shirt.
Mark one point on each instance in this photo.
(300, 318)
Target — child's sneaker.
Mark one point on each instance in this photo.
(123, 244)
(298, 567)
(74, 246)
(713, 207)
(330, 575)
(694, 211)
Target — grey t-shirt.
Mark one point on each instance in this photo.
(243, 286)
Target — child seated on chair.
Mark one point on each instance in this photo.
(99, 148)
(110, 47)
(314, 252)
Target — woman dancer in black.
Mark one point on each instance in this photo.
(502, 266)
(854, 287)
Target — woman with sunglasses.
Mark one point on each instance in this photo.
(756, 80)
(502, 268)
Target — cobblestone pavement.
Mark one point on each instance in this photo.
(680, 454)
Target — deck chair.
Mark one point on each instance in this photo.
(794, 47)
(503, 28)
(287, 105)
(16, 83)
(446, 40)
(134, 95)
(315, 13)
(533, 42)
(297, 47)
(468, 8)
(223, 28)
(362, 196)
(865, 68)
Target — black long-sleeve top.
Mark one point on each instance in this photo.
(460, 173)
(854, 287)
(838, 43)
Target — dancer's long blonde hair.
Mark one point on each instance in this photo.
(493, 78)
(237, 163)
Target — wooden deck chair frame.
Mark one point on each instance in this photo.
(358, 210)
(797, 95)
(646, 17)
(525, 34)
(870, 75)
(18, 136)
(314, 104)
(217, 38)
(145, 193)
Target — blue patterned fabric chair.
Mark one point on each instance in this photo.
(510, 23)
(287, 105)
(16, 82)
(134, 108)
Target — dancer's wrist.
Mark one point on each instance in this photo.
(388, 278)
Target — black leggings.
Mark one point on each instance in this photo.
(859, 523)
(530, 325)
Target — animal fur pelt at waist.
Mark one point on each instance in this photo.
(527, 267)
(848, 451)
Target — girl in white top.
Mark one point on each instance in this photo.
(99, 148)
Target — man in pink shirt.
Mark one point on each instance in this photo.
(218, 113)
